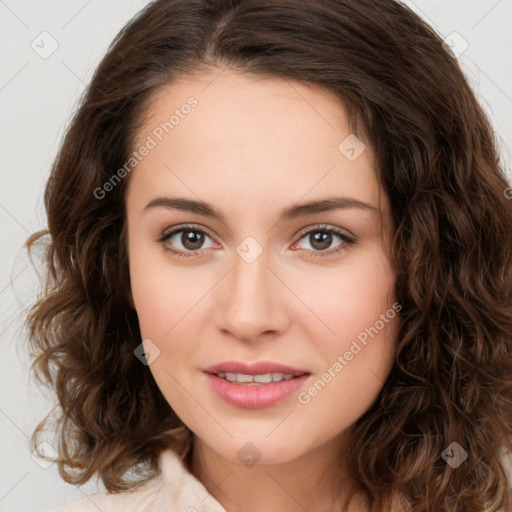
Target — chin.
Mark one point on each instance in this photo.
(258, 449)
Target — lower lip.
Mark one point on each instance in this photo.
(255, 396)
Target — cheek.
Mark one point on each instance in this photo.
(156, 305)
(169, 302)
(355, 299)
(359, 352)
(163, 294)
(165, 303)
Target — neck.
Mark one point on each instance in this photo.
(315, 481)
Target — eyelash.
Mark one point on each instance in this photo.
(347, 240)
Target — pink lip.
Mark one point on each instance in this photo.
(254, 396)
(258, 368)
(250, 396)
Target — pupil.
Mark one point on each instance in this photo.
(322, 240)
(192, 240)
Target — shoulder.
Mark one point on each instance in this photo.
(137, 500)
(174, 488)
(143, 497)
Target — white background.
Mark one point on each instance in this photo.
(37, 97)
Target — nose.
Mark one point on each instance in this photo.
(252, 303)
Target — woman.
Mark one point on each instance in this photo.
(280, 267)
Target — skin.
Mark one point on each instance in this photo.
(251, 147)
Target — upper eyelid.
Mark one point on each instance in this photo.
(185, 227)
(325, 227)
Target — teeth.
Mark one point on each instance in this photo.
(263, 379)
(266, 378)
(244, 378)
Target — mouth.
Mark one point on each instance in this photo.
(261, 372)
(258, 379)
(255, 385)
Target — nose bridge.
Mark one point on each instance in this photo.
(251, 305)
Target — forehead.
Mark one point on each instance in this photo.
(249, 103)
(252, 134)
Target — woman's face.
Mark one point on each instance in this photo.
(245, 178)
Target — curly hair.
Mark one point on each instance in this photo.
(437, 159)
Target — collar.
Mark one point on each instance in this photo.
(180, 488)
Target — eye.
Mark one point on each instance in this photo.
(321, 238)
(188, 240)
(185, 241)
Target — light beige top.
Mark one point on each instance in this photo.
(175, 489)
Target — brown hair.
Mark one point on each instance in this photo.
(436, 158)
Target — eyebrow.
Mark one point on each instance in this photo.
(289, 213)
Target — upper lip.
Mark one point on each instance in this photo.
(257, 368)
